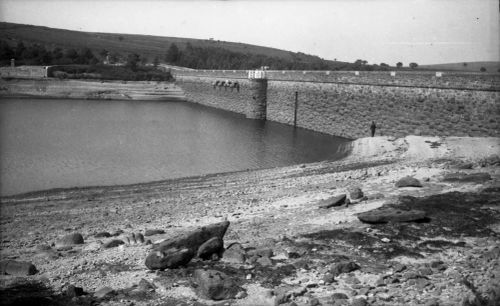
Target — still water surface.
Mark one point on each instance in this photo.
(67, 143)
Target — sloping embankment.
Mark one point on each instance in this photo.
(90, 89)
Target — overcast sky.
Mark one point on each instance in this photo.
(422, 31)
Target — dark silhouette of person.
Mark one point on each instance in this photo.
(373, 127)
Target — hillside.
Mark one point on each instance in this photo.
(465, 66)
(145, 45)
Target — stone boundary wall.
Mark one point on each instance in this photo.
(344, 104)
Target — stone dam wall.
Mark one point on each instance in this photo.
(345, 103)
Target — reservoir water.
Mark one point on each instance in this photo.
(48, 144)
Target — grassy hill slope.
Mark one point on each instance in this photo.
(145, 45)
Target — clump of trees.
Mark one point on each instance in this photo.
(36, 54)
(213, 57)
(83, 63)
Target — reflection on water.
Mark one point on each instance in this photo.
(66, 143)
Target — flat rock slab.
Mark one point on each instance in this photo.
(467, 178)
(408, 181)
(333, 201)
(389, 214)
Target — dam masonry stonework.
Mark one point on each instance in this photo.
(345, 103)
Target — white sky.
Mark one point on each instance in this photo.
(422, 31)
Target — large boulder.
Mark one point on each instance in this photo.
(333, 201)
(18, 268)
(70, 240)
(387, 214)
(343, 267)
(178, 251)
(215, 285)
(408, 181)
(194, 239)
(169, 259)
(467, 178)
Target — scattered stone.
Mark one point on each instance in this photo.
(432, 302)
(425, 271)
(376, 196)
(70, 240)
(333, 201)
(387, 214)
(344, 267)
(211, 246)
(102, 235)
(171, 258)
(215, 285)
(112, 243)
(72, 291)
(18, 268)
(339, 296)
(385, 240)
(152, 232)
(235, 253)
(408, 181)
(364, 291)
(465, 165)
(118, 232)
(359, 302)
(355, 193)
(264, 261)
(467, 178)
(410, 275)
(92, 246)
(328, 278)
(314, 302)
(421, 283)
(438, 265)
(145, 285)
(399, 267)
(265, 252)
(134, 238)
(104, 292)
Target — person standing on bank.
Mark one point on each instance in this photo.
(373, 127)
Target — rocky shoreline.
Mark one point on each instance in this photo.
(410, 221)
